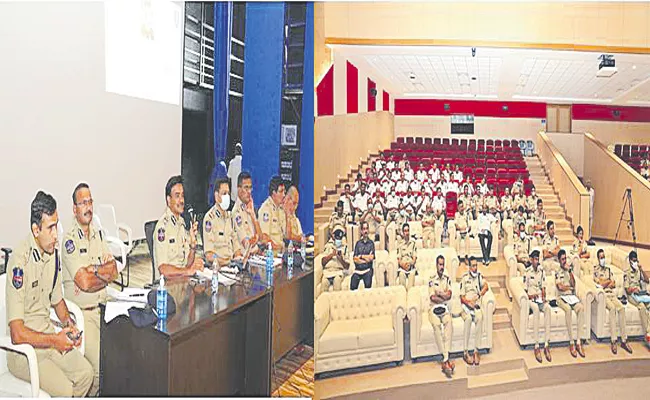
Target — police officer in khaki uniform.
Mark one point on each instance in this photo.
(174, 248)
(293, 227)
(522, 248)
(580, 249)
(566, 286)
(337, 217)
(551, 249)
(33, 286)
(603, 277)
(532, 201)
(272, 219)
(335, 260)
(88, 267)
(220, 243)
(440, 313)
(535, 286)
(245, 221)
(635, 277)
(539, 222)
(461, 219)
(429, 238)
(518, 218)
(373, 215)
(472, 289)
(406, 258)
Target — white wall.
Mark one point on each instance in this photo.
(59, 127)
(572, 147)
(612, 132)
(484, 127)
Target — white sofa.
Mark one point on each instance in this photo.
(509, 228)
(415, 230)
(522, 319)
(359, 328)
(379, 245)
(616, 259)
(324, 235)
(425, 264)
(381, 260)
(474, 245)
(422, 341)
(513, 271)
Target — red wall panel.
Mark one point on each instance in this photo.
(516, 109)
(606, 113)
(372, 100)
(325, 93)
(386, 105)
(352, 74)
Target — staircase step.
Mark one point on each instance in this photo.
(497, 378)
(501, 321)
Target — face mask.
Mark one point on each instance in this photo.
(522, 235)
(338, 243)
(635, 264)
(225, 202)
(472, 274)
(601, 262)
(402, 213)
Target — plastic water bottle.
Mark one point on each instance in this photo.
(290, 254)
(303, 250)
(215, 281)
(269, 264)
(161, 299)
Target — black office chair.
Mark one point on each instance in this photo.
(7, 252)
(149, 228)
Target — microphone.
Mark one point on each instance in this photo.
(189, 216)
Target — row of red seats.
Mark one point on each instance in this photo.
(465, 142)
(631, 150)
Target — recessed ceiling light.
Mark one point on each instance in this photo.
(595, 94)
(634, 67)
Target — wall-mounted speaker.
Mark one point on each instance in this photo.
(616, 113)
(373, 92)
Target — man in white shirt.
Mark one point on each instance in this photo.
(361, 200)
(426, 188)
(434, 173)
(592, 193)
(439, 202)
(401, 186)
(408, 173)
(390, 164)
(485, 221)
(458, 174)
(403, 162)
(482, 188)
(347, 199)
(447, 172)
(422, 173)
(392, 202)
(450, 186)
(416, 186)
(396, 175)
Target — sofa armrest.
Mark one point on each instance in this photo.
(451, 229)
(511, 261)
(585, 293)
(321, 316)
(322, 235)
(488, 302)
(414, 312)
(519, 294)
(587, 284)
(32, 363)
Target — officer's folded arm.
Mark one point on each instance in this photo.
(94, 278)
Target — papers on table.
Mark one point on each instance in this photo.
(116, 308)
(135, 295)
(570, 299)
(260, 261)
(225, 277)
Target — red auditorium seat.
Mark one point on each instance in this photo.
(489, 142)
(490, 171)
(502, 172)
(491, 162)
(419, 140)
(400, 140)
(498, 143)
(410, 140)
(428, 141)
(470, 162)
(506, 143)
(463, 143)
(491, 181)
(445, 141)
(467, 171)
(626, 150)
(436, 141)
(471, 146)
(454, 142)
(452, 204)
(618, 150)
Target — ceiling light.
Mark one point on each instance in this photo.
(595, 94)
(634, 67)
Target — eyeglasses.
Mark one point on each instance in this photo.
(86, 203)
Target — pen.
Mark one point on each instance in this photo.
(137, 295)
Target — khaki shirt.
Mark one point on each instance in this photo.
(492, 202)
(30, 276)
(579, 247)
(242, 221)
(531, 201)
(438, 283)
(478, 202)
(516, 221)
(406, 250)
(467, 201)
(539, 218)
(564, 277)
(603, 273)
(632, 279)
(462, 221)
(336, 220)
(219, 234)
(171, 242)
(470, 287)
(522, 248)
(506, 203)
(334, 267)
(80, 251)
(296, 227)
(551, 243)
(272, 221)
(428, 218)
(519, 200)
(534, 281)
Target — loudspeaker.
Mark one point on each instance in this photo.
(373, 92)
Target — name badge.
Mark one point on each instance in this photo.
(220, 233)
(172, 240)
(34, 284)
(83, 251)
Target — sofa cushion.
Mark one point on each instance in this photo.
(376, 331)
(339, 336)
(426, 330)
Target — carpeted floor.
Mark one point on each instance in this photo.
(294, 374)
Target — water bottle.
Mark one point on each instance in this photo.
(215, 281)
(290, 254)
(161, 299)
(269, 264)
(303, 250)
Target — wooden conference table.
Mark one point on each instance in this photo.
(214, 345)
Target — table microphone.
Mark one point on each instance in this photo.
(189, 216)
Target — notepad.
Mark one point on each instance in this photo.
(570, 299)
(135, 295)
(116, 308)
(225, 279)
